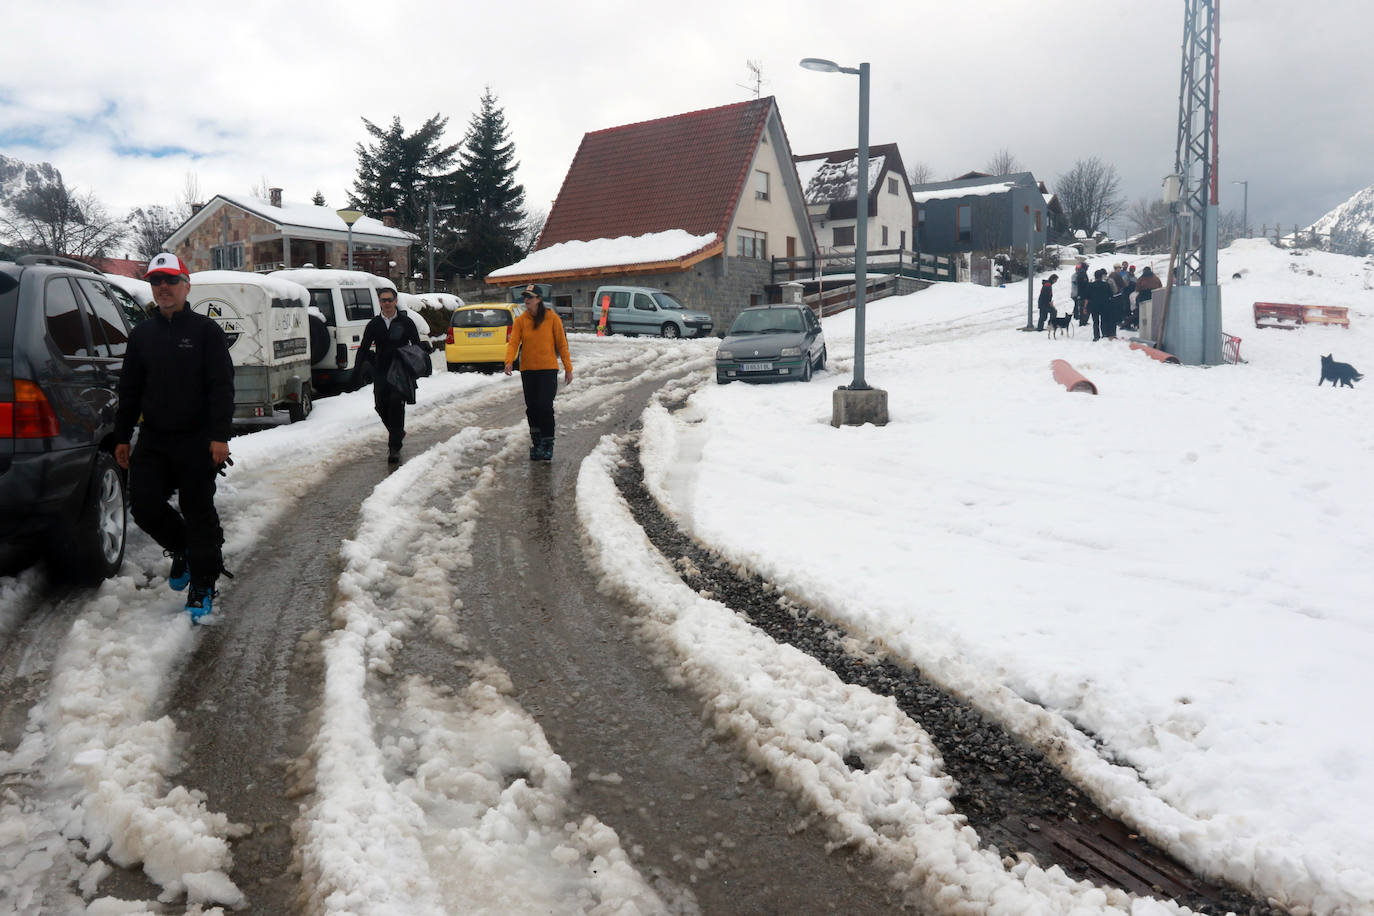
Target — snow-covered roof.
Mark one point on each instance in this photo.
(319, 222)
(978, 190)
(980, 186)
(650, 248)
(832, 181)
(325, 276)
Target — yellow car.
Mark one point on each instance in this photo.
(477, 335)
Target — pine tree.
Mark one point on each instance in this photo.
(490, 204)
(401, 170)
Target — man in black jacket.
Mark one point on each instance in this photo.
(388, 332)
(178, 375)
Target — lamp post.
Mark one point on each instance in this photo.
(350, 217)
(857, 410)
(1245, 213)
(430, 218)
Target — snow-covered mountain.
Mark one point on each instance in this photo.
(1354, 216)
(17, 175)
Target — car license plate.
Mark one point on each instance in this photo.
(756, 367)
(472, 334)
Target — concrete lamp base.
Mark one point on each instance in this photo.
(857, 406)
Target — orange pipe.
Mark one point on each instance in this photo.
(1156, 354)
(1070, 377)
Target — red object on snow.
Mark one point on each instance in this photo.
(1070, 377)
(1154, 353)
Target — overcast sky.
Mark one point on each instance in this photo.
(127, 99)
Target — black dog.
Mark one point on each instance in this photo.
(1338, 373)
(1060, 323)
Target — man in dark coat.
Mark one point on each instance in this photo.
(1046, 300)
(388, 332)
(1099, 299)
(179, 377)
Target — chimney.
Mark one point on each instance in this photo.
(276, 196)
(389, 218)
(196, 208)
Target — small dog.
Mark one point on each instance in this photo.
(1338, 373)
(1061, 324)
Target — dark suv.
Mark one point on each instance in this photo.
(63, 333)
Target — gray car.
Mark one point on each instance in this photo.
(771, 343)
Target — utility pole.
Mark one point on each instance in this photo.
(1191, 323)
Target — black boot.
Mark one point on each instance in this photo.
(544, 449)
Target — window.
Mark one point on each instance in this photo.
(752, 244)
(844, 236)
(760, 185)
(323, 299)
(133, 312)
(106, 313)
(644, 303)
(921, 217)
(66, 323)
(884, 236)
(227, 257)
(903, 240)
(965, 222)
(357, 304)
(892, 186)
(1037, 222)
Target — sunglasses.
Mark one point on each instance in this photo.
(159, 279)
(386, 301)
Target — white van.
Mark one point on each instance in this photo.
(266, 323)
(342, 302)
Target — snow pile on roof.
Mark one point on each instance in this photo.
(832, 181)
(975, 190)
(326, 276)
(650, 248)
(312, 217)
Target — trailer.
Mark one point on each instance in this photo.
(266, 323)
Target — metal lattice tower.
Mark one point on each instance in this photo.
(1195, 159)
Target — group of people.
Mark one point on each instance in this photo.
(1110, 299)
(177, 387)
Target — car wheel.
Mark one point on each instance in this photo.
(806, 369)
(92, 549)
(669, 330)
(820, 364)
(455, 367)
(299, 410)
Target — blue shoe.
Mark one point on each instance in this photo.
(199, 602)
(180, 576)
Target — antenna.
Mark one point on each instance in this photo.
(756, 80)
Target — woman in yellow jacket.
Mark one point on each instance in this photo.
(539, 339)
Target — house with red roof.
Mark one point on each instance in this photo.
(694, 204)
(831, 184)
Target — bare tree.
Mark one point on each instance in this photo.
(1004, 163)
(1146, 215)
(921, 173)
(1089, 193)
(189, 197)
(152, 226)
(527, 233)
(50, 219)
(263, 189)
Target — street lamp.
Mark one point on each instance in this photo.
(859, 403)
(350, 217)
(430, 243)
(821, 65)
(1245, 214)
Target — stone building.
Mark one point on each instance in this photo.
(241, 232)
(694, 204)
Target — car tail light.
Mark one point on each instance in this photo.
(508, 330)
(449, 338)
(29, 415)
(341, 356)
